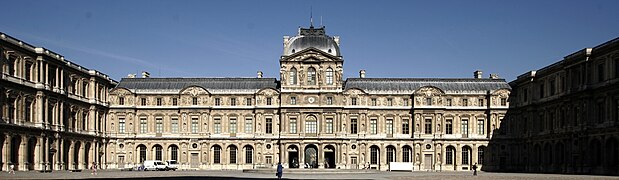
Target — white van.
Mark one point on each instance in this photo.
(172, 165)
(154, 165)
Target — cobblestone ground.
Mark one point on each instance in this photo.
(238, 175)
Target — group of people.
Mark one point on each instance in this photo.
(93, 169)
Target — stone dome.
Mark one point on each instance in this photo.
(311, 37)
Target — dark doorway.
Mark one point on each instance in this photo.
(293, 157)
(329, 157)
(311, 156)
(32, 142)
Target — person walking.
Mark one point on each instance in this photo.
(93, 168)
(475, 169)
(280, 170)
(11, 169)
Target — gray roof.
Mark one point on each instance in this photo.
(312, 37)
(409, 85)
(174, 85)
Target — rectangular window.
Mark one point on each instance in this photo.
(449, 102)
(329, 100)
(353, 126)
(143, 125)
(232, 101)
(174, 125)
(143, 101)
(428, 126)
(217, 102)
(373, 126)
(269, 159)
(194, 125)
(480, 102)
(216, 155)
(553, 85)
(232, 126)
(541, 91)
(373, 101)
(217, 125)
(465, 102)
(121, 124)
(480, 126)
(233, 155)
(194, 101)
(174, 101)
(353, 101)
(465, 126)
(293, 125)
(121, 101)
(269, 126)
(405, 126)
(268, 101)
(28, 111)
(158, 101)
(248, 101)
(503, 101)
(293, 100)
(28, 71)
(405, 102)
(249, 155)
(389, 102)
(159, 125)
(329, 128)
(601, 72)
(389, 126)
(429, 101)
(449, 126)
(249, 125)
(310, 127)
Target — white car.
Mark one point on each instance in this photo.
(172, 165)
(154, 165)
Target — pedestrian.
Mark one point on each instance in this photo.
(475, 169)
(280, 170)
(11, 169)
(93, 168)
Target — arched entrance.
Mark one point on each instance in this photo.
(311, 156)
(32, 142)
(76, 155)
(329, 151)
(14, 159)
(293, 156)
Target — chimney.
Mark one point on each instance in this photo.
(477, 74)
(145, 74)
(131, 75)
(362, 73)
(259, 74)
(494, 76)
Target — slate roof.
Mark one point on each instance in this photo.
(312, 37)
(174, 85)
(409, 85)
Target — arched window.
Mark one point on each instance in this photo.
(329, 76)
(174, 153)
(249, 155)
(374, 151)
(406, 154)
(311, 125)
(466, 155)
(216, 154)
(390, 154)
(480, 154)
(311, 76)
(449, 155)
(142, 153)
(292, 80)
(158, 154)
(232, 154)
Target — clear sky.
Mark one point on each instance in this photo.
(449, 39)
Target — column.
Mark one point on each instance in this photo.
(59, 154)
(70, 155)
(23, 154)
(61, 79)
(38, 154)
(60, 121)
(80, 155)
(6, 152)
(91, 119)
(40, 105)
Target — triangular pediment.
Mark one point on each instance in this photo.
(311, 55)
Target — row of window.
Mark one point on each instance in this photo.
(194, 101)
(311, 76)
(232, 150)
(194, 126)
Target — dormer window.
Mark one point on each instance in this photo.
(311, 76)
(293, 51)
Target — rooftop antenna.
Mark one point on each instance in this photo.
(311, 17)
(321, 21)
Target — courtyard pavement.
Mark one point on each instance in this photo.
(239, 175)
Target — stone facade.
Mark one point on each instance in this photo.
(53, 111)
(310, 118)
(563, 118)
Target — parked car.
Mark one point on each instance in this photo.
(171, 165)
(154, 165)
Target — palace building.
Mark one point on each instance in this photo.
(57, 115)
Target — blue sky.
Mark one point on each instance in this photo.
(449, 39)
